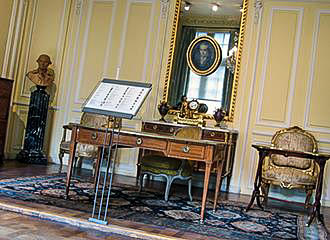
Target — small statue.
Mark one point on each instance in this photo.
(184, 110)
(42, 76)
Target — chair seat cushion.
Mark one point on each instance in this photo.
(82, 150)
(164, 165)
(289, 176)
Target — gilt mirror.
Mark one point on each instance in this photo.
(223, 21)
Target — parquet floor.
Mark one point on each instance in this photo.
(14, 225)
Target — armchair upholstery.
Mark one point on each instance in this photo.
(85, 150)
(168, 167)
(291, 172)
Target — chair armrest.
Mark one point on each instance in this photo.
(65, 128)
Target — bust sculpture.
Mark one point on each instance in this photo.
(42, 76)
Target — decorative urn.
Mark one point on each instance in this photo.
(163, 109)
(219, 114)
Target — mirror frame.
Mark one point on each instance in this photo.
(230, 115)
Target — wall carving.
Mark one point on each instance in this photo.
(223, 21)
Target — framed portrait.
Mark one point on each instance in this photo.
(204, 55)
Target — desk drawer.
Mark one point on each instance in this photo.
(159, 128)
(186, 150)
(91, 137)
(143, 142)
(214, 135)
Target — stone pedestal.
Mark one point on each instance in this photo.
(35, 128)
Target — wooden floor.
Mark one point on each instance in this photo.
(17, 226)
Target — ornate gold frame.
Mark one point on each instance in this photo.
(230, 116)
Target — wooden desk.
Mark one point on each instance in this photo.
(205, 151)
(321, 160)
(225, 136)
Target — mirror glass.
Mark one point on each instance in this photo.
(220, 20)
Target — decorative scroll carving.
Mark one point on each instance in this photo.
(164, 8)
(258, 5)
(78, 7)
(223, 21)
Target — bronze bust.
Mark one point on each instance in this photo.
(42, 76)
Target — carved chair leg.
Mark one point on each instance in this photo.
(60, 156)
(141, 181)
(265, 191)
(189, 189)
(309, 193)
(169, 180)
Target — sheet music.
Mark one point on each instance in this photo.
(118, 98)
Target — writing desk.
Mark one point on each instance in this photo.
(207, 151)
(319, 158)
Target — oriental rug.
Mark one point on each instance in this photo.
(229, 221)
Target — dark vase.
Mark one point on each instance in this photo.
(163, 109)
(219, 115)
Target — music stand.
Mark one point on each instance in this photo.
(119, 99)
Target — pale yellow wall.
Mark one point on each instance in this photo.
(283, 78)
(5, 12)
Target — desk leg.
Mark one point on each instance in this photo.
(73, 145)
(205, 189)
(220, 164)
(317, 202)
(257, 181)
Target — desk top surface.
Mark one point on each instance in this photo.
(138, 133)
(230, 130)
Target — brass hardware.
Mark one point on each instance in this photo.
(171, 130)
(212, 134)
(139, 141)
(94, 136)
(154, 127)
(185, 149)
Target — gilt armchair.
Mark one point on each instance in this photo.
(291, 172)
(168, 167)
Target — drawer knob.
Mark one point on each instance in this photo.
(171, 130)
(185, 149)
(94, 135)
(138, 141)
(154, 127)
(212, 134)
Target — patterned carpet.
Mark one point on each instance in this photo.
(230, 221)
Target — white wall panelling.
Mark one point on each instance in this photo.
(247, 123)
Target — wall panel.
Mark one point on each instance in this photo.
(320, 76)
(136, 41)
(278, 76)
(92, 57)
(5, 13)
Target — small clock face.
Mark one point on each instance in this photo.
(193, 105)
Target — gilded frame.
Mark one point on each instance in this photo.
(230, 115)
(212, 58)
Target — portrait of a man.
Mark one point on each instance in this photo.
(204, 55)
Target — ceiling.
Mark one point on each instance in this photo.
(204, 7)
